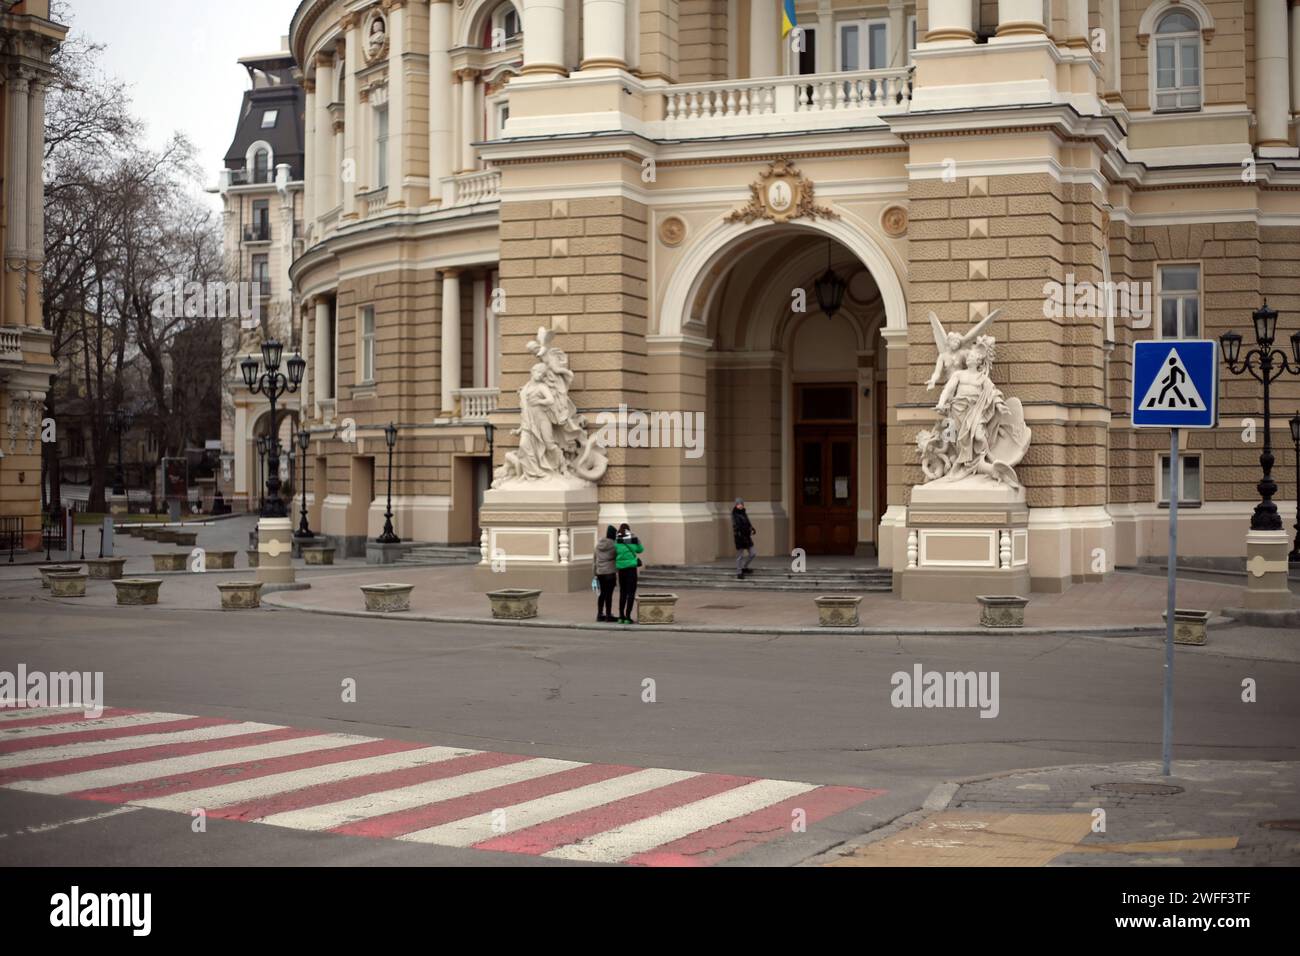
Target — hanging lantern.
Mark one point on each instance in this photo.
(830, 288)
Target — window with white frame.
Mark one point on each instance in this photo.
(1189, 480)
(863, 45)
(803, 59)
(500, 113)
(1178, 300)
(505, 24)
(381, 147)
(911, 38)
(367, 368)
(269, 118)
(1176, 62)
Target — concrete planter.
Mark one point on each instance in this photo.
(105, 569)
(318, 555)
(252, 557)
(47, 569)
(68, 583)
(166, 536)
(514, 604)
(219, 560)
(655, 608)
(240, 595)
(169, 562)
(386, 598)
(1002, 610)
(149, 534)
(837, 610)
(1189, 625)
(187, 538)
(131, 591)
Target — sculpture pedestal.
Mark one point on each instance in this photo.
(965, 538)
(538, 535)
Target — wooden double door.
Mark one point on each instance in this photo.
(826, 488)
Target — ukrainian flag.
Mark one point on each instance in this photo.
(788, 22)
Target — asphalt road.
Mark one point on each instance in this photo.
(813, 708)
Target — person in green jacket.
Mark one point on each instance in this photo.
(626, 549)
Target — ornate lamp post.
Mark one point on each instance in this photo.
(304, 438)
(1266, 556)
(261, 464)
(1264, 363)
(389, 536)
(273, 383)
(121, 421)
(1294, 556)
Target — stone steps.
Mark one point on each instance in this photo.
(821, 580)
(433, 554)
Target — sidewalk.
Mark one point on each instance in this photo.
(1207, 813)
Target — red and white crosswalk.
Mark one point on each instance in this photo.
(391, 789)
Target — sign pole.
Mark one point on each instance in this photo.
(1174, 493)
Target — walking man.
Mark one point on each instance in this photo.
(743, 532)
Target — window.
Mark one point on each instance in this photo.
(1178, 299)
(268, 119)
(1177, 63)
(261, 220)
(367, 343)
(381, 147)
(506, 19)
(261, 166)
(1189, 480)
(262, 274)
(805, 60)
(864, 45)
(911, 37)
(501, 113)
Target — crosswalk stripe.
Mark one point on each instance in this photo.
(98, 747)
(118, 776)
(21, 712)
(470, 830)
(481, 801)
(112, 734)
(539, 839)
(331, 815)
(29, 732)
(613, 846)
(46, 716)
(262, 787)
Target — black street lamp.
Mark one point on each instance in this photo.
(273, 383)
(1294, 556)
(1264, 363)
(389, 536)
(490, 433)
(261, 465)
(304, 438)
(120, 421)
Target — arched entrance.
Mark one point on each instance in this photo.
(795, 400)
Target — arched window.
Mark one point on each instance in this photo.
(505, 25)
(261, 166)
(1177, 63)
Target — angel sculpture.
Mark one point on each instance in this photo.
(553, 439)
(953, 347)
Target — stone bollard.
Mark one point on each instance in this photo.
(1002, 610)
(386, 598)
(68, 584)
(656, 608)
(837, 610)
(321, 554)
(514, 604)
(240, 595)
(220, 560)
(47, 569)
(1190, 626)
(134, 591)
(170, 561)
(105, 569)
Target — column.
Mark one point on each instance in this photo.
(16, 154)
(396, 102)
(310, 155)
(325, 169)
(469, 118)
(824, 55)
(1020, 18)
(321, 365)
(35, 200)
(764, 37)
(1295, 56)
(1272, 83)
(440, 98)
(950, 20)
(897, 35)
(351, 117)
(604, 34)
(479, 303)
(544, 37)
(450, 338)
(1076, 21)
(493, 334)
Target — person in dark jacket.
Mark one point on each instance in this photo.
(603, 567)
(743, 532)
(627, 547)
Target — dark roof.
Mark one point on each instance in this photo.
(285, 138)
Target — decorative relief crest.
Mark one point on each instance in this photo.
(894, 221)
(780, 194)
(672, 231)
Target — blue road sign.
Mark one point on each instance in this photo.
(1176, 383)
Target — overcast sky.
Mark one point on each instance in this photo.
(178, 59)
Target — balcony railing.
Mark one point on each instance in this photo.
(476, 403)
(258, 232)
(784, 102)
(11, 345)
(374, 200)
(472, 188)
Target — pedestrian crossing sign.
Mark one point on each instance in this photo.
(1176, 383)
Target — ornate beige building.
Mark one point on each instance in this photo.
(679, 192)
(27, 40)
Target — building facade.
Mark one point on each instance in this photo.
(28, 38)
(678, 190)
(262, 192)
